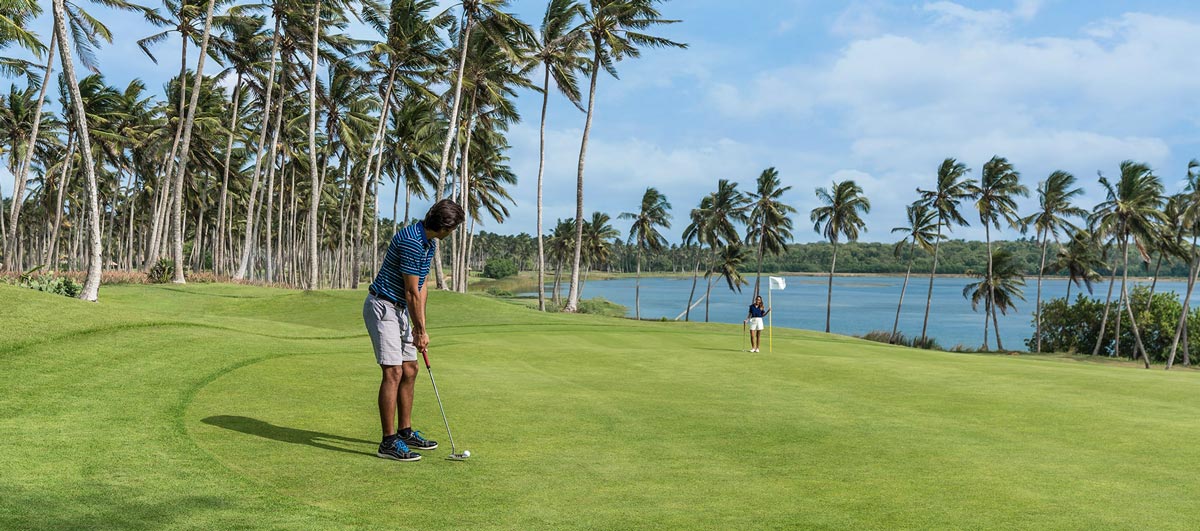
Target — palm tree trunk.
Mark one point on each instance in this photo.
(1137, 336)
(52, 258)
(687, 314)
(758, 276)
(932, 272)
(314, 279)
(184, 150)
(370, 177)
(987, 313)
(27, 158)
(541, 272)
(829, 293)
(989, 307)
(450, 133)
(903, 289)
(708, 281)
(219, 249)
(637, 288)
(252, 204)
(573, 297)
(1154, 282)
(91, 285)
(1193, 266)
(1104, 320)
(996, 325)
(1041, 273)
(271, 248)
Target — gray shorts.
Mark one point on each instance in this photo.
(390, 331)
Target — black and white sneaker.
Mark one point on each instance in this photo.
(394, 448)
(415, 440)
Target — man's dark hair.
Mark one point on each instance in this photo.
(444, 214)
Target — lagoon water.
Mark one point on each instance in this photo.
(860, 304)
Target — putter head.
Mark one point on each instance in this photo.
(459, 457)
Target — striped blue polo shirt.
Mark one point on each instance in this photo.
(409, 253)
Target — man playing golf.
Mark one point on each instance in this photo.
(394, 314)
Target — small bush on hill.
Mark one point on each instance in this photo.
(47, 282)
(499, 268)
(882, 336)
(162, 272)
(497, 292)
(602, 306)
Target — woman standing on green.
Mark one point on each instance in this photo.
(755, 318)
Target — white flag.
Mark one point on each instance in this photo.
(778, 283)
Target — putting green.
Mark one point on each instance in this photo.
(219, 407)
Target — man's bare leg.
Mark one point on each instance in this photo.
(408, 385)
(389, 388)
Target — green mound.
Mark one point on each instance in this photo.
(221, 407)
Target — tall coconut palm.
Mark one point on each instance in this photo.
(696, 233)
(952, 189)
(922, 232)
(1190, 222)
(729, 266)
(1081, 259)
(999, 185)
(91, 285)
(1132, 208)
(840, 216)
(1051, 219)
(644, 235)
(616, 28)
(561, 50)
(770, 223)
(999, 288)
(727, 208)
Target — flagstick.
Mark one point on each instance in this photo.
(771, 320)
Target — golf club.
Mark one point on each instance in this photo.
(454, 456)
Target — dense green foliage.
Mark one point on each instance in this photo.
(47, 282)
(957, 257)
(499, 268)
(1074, 327)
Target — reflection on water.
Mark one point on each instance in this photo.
(860, 304)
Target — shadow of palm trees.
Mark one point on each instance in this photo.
(267, 430)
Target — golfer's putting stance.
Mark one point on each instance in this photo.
(394, 314)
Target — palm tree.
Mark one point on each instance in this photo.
(952, 189)
(1080, 258)
(770, 224)
(729, 265)
(184, 150)
(1131, 210)
(1054, 208)
(1190, 222)
(994, 196)
(921, 231)
(998, 288)
(561, 51)
(643, 233)
(91, 285)
(696, 233)
(616, 29)
(596, 234)
(844, 203)
(726, 208)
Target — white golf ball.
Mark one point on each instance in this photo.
(466, 453)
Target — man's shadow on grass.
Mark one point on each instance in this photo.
(267, 430)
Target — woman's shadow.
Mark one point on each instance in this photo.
(267, 430)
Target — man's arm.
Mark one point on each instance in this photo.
(414, 296)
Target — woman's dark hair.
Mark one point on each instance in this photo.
(444, 214)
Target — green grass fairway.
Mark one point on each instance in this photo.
(230, 407)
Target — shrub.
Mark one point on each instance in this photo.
(602, 306)
(48, 283)
(497, 292)
(882, 336)
(1075, 327)
(499, 268)
(162, 272)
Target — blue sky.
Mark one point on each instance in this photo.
(875, 91)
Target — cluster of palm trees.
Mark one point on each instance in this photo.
(268, 166)
(1136, 215)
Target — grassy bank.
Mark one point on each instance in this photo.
(220, 407)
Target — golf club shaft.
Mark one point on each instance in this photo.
(429, 370)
